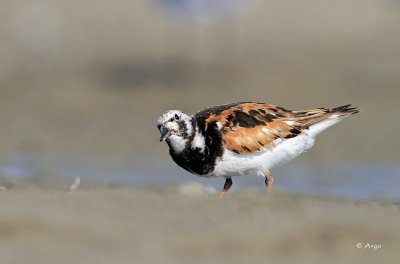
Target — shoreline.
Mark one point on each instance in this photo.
(98, 224)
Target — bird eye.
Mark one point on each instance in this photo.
(171, 119)
(176, 117)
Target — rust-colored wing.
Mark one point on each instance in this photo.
(251, 127)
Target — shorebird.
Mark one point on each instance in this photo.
(243, 138)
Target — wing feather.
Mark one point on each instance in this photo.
(251, 127)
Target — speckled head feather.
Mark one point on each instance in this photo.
(176, 128)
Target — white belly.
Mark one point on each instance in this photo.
(233, 164)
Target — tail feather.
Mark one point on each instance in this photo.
(344, 110)
(314, 116)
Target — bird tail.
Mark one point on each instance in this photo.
(317, 120)
(344, 110)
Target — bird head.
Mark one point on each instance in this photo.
(175, 128)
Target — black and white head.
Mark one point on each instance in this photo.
(176, 128)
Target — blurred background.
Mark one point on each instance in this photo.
(84, 83)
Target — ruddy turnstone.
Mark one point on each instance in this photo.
(243, 138)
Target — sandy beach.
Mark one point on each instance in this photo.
(82, 85)
(100, 224)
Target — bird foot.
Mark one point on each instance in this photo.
(222, 195)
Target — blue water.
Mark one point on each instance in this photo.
(358, 182)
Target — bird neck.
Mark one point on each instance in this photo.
(177, 143)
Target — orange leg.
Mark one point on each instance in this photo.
(227, 186)
(269, 182)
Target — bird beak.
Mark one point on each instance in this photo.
(164, 133)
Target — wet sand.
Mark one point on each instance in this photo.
(74, 90)
(103, 224)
